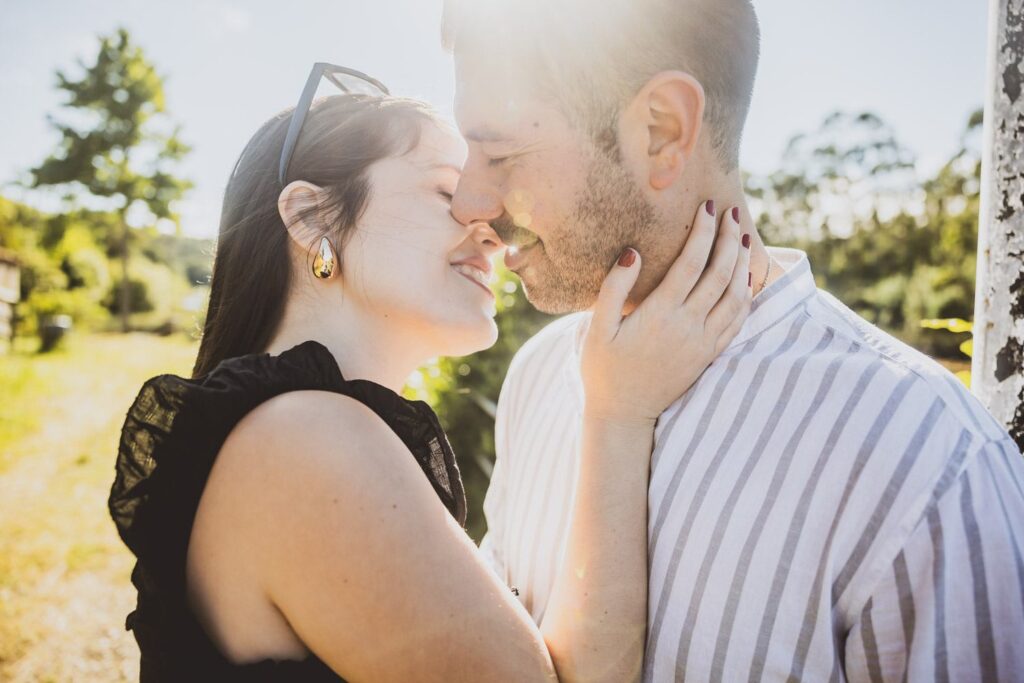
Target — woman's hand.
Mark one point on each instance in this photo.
(634, 367)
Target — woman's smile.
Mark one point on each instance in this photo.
(478, 276)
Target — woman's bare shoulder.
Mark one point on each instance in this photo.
(302, 432)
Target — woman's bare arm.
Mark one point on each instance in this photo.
(360, 556)
(596, 621)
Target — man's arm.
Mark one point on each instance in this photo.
(952, 606)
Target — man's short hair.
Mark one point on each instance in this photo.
(593, 57)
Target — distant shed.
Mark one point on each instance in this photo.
(10, 288)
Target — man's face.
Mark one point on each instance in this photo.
(565, 208)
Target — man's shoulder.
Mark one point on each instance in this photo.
(896, 359)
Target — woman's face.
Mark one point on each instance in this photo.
(410, 264)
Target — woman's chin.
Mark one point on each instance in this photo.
(473, 339)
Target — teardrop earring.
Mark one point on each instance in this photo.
(325, 262)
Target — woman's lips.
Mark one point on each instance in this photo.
(476, 282)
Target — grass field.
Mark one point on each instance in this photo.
(64, 573)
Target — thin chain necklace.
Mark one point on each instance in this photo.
(767, 273)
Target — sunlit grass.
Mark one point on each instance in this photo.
(64, 573)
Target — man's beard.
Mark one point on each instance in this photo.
(610, 214)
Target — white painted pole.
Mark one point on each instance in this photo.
(997, 374)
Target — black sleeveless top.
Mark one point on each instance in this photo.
(170, 439)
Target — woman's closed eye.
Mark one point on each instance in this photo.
(447, 195)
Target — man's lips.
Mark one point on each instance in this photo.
(515, 257)
(512, 234)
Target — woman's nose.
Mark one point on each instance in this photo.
(487, 239)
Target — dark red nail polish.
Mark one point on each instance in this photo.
(710, 206)
(746, 241)
(628, 258)
(736, 213)
(750, 279)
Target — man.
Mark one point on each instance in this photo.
(825, 503)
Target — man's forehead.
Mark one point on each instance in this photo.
(495, 110)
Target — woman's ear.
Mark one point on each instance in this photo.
(662, 125)
(297, 205)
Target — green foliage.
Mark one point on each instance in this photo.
(190, 258)
(138, 296)
(917, 262)
(81, 260)
(67, 267)
(83, 308)
(162, 300)
(956, 326)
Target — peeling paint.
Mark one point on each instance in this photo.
(999, 316)
(1009, 359)
(1007, 210)
(1017, 303)
(1013, 79)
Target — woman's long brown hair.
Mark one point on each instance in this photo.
(342, 137)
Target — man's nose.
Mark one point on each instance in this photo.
(476, 201)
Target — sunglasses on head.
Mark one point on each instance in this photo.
(347, 80)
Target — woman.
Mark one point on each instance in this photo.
(295, 518)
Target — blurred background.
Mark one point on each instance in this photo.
(863, 147)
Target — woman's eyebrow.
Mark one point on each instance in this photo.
(445, 166)
(485, 135)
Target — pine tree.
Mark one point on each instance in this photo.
(110, 147)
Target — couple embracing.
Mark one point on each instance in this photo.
(708, 470)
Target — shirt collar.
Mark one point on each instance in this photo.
(776, 300)
(770, 305)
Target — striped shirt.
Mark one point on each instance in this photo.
(825, 504)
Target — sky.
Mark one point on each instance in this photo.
(231, 64)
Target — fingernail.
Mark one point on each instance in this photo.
(750, 279)
(746, 241)
(628, 258)
(710, 206)
(736, 213)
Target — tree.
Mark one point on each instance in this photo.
(849, 168)
(896, 250)
(998, 371)
(110, 147)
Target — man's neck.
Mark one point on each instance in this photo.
(763, 271)
(727, 191)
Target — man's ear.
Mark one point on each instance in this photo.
(662, 124)
(297, 200)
